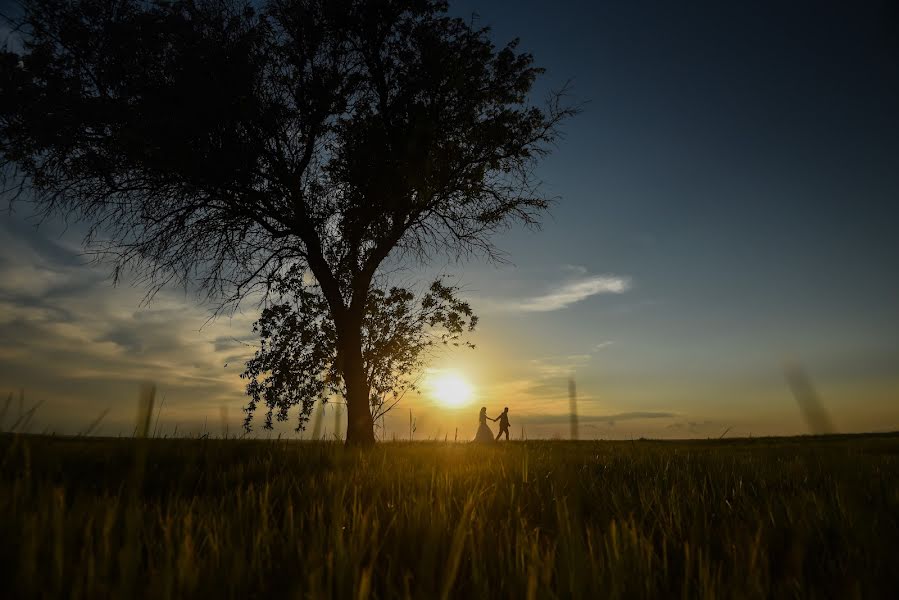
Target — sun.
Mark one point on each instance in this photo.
(450, 389)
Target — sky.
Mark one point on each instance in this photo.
(727, 204)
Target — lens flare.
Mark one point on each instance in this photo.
(451, 390)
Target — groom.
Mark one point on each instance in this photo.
(503, 419)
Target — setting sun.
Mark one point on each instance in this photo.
(451, 390)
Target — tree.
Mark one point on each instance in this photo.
(209, 142)
(296, 364)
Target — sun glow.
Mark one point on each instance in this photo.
(451, 390)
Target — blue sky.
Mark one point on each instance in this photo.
(727, 202)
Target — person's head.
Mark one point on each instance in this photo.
(483, 409)
(506, 409)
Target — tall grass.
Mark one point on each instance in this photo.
(89, 518)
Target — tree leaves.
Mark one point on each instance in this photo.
(216, 143)
(297, 363)
(219, 145)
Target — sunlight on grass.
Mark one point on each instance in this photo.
(252, 518)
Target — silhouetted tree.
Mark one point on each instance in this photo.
(212, 142)
(296, 364)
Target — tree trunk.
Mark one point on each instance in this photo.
(360, 428)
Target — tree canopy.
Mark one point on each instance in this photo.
(296, 364)
(213, 142)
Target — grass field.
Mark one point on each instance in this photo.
(798, 517)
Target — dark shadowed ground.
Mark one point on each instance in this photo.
(806, 517)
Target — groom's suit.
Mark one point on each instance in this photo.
(503, 424)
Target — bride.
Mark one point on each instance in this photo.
(484, 432)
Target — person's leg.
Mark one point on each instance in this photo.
(507, 434)
(498, 434)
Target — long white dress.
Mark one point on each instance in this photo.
(485, 434)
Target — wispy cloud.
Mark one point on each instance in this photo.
(72, 339)
(563, 418)
(694, 427)
(566, 293)
(576, 269)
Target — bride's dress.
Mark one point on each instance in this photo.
(485, 434)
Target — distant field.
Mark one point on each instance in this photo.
(797, 517)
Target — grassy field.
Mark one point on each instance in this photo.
(800, 517)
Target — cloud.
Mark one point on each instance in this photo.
(689, 424)
(568, 293)
(576, 269)
(564, 418)
(72, 339)
(547, 376)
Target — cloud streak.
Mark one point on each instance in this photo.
(563, 418)
(72, 339)
(568, 293)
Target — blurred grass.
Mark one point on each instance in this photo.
(795, 517)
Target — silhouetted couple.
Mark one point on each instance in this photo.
(485, 434)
